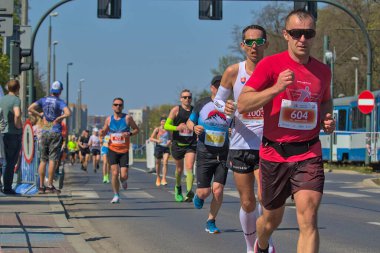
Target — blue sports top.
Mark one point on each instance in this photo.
(52, 107)
(215, 124)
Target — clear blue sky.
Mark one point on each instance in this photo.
(156, 49)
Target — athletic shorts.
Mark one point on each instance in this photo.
(85, 151)
(50, 146)
(159, 151)
(243, 161)
(280, 180)
(179, 152)
(95, 152)
(211, 165)
(104, 150)
(71, 153)
(122, 159)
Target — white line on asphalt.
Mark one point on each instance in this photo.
(85, 194)
(137, 195)
(371, 190)
(374, 223)
(346, 194)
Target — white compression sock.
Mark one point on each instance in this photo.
(248, 224)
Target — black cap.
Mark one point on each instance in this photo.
(216, 81)
(162, 118)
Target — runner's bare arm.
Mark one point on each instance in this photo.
(105, 128)
(327, 121)
(221, 101)
(169, 121)
(153, 136)
(132, 124)
(252, 100)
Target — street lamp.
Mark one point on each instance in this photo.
(53, 14)
(79, 110)
(67, 81)
(68, 120)
(356, 59)
(54, 66)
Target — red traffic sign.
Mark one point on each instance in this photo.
(366, 102)
(27, 141)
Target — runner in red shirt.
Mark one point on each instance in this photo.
(294, 89)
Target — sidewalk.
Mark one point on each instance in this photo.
(37, 224)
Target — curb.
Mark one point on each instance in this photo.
(75, 239)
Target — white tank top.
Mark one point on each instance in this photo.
(247, 129)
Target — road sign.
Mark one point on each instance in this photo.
(27, 141)
(6, 18)
(366, 102)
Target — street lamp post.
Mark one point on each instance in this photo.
(52, 14)
(54, 62)
(68, 120)
(79, 110)
(356, 59)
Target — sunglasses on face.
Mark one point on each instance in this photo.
(258, 42)
(297, 33)
(120, 105)
(186, 97)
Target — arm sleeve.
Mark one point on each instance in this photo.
(221, 98)
(169, 125)
(194, 117)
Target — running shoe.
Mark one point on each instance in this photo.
(104, 179)
(158, 181)
(178, 194)
(124, 184)
(211, 227)
(163, 182)
(189, 196)
(271, 248)
(115, 199)
(198, 203)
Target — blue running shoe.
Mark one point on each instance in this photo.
(211, 227)
(198, 203)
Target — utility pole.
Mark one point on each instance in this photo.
(23, 77)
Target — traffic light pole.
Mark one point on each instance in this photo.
(31, 75)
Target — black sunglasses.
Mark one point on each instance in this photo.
(187, 97)
(118, 105)
(297, 33)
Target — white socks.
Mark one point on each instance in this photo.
(248, 224)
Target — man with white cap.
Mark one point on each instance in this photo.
(54, 110)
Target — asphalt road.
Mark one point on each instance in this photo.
(148, 219)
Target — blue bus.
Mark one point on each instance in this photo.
(350, 141)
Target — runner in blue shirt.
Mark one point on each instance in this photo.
(211, 126)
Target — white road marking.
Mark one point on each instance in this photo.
(234, 194)
(374, 223)
(346, 194)
(371, 190)
(85, 194)
(136, 194)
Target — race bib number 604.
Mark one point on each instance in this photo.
(298, 115)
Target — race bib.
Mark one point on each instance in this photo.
(298, 115)
(186, 132)
(253, 118)
(215, 138)
(117, 138)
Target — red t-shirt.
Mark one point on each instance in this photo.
(294, 114)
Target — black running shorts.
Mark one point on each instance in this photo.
(211, 165)
(243, 161)
(122, 159)
(159, 151)
(179, 152)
